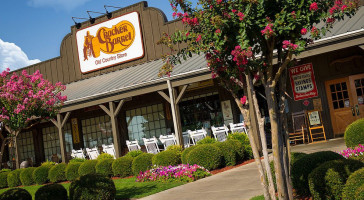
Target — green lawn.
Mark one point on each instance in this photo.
(125, 188)
(261, 197)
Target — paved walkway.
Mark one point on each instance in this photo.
(239, 183)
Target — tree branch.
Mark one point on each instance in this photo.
(282, 68)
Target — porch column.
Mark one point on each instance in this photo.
(60, 124)
(113, 112)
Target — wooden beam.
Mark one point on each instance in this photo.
(106, 110)
(65, 118)
(164, 96)
(181, 94)
(115, 129)
(174, 115)
(61, 136)
(117, 110)
(55, 122)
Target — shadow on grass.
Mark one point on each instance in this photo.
(131, 192)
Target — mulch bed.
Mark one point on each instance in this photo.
(241, 163)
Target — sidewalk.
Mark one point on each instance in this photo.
(240, 183)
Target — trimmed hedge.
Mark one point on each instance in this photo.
(185, 154)
(354, 133)
(16, 194)
(134, 154)
(166, 158)
(78, 160)
(4, 179)
(26, 177)
(104, 167)
(207, 140)
(122, 166)
(228, 152)
(92, 187)
(305, 165)
(14, 178)
(238, 149)
(206, 155)
(328, 180)
(177, 148)
(142, 163)
(57, 173)
(52, 191)
(87, 167)
(354, 186)
(40, 174)
(296, 156)
(72, 170)
(244, 140)
(105, 156)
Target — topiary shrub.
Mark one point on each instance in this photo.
(40, 174)
(72, 170)
(354, 185)
(228, 152)
(244, 140)
(166, 158)
(296, 156)
(354, 133)
(14, 178)
(122, 166)
(238, 149)
(142, 163)
(177, 148)
(305, 165)
(57, 173)
(104, 167)
(79, 160)
(26, 176)
(134, 154)
(4, 179)
(207, 140)
(52, 191)
(50, 164)
(185, 154)
(87, 167)
(92, 187)
(105, 156)
(206, 155)
(327, 180)
(16, 194)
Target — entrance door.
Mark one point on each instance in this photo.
(357, 83)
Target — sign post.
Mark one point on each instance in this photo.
(303, 82)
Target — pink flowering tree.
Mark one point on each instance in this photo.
(26, 99)
(254, 41)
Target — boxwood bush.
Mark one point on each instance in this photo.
(354, 133)
(72, 170)
(87, 167)
(244, 140)
(16, 194)
(142, 163)
(57, 173)
(238, 149)
(77, 160)
(228, 152)
(4, 179)
(354, 186)
(205, 155)
(26, 176)
(14, 178)
(327, 180)
(166, 158)
(177, 148)
(52, 191)
(122, 166)
(105, 156)
(104, 167)
(185, 154)
(92, 187)
(305, 165)
(207, 140)
(134, 154)
(40, 174)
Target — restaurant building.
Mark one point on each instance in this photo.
(114, 93)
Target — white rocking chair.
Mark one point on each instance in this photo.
(168, 140)
(133, 145)
(239, 127)
(92, 153)
(220, 133)
(186, 139)
(197, 135)
(151, 145)
(78, 154)
(109, 149)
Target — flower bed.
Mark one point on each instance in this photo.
(355, 152)
(182, 172)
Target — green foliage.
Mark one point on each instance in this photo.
(3, 179)
(354, 133)
(57, 173)
(134, 154)
(327, 180)
(142, 163)
(206, 155)
(228, 152)
(207, 140)
(244, 140)
(92, 187)
(104, 167)
(296, 156)
(5, 170)
(123, 166)
(354, 186)
(26, 176)
(72, 170)
(40, 174)
(305, 165)
(105, 156)
(166, 158)
(52, 191)
(48, 163)
(16, 194)
(177, 148)
(238, 149)
(77, 160)
(87, 167)
(14, 178)
(185, 153)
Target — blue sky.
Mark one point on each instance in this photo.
(32, 30)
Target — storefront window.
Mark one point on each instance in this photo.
(146, 122)
(97, 131)
(51, 142)
(26, 146)
(68, 137)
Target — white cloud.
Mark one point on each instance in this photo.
(57, 4)
(13, 57)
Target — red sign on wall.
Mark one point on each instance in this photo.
(303, 82)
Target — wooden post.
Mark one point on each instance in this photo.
(60, 124)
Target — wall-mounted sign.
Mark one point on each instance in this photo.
(226, 112)
(303, 82)
(111, 42)
(314, 118)
(75, 132)
(317, 105)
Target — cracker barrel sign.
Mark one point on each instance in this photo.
(109, 43)
(303, 82)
